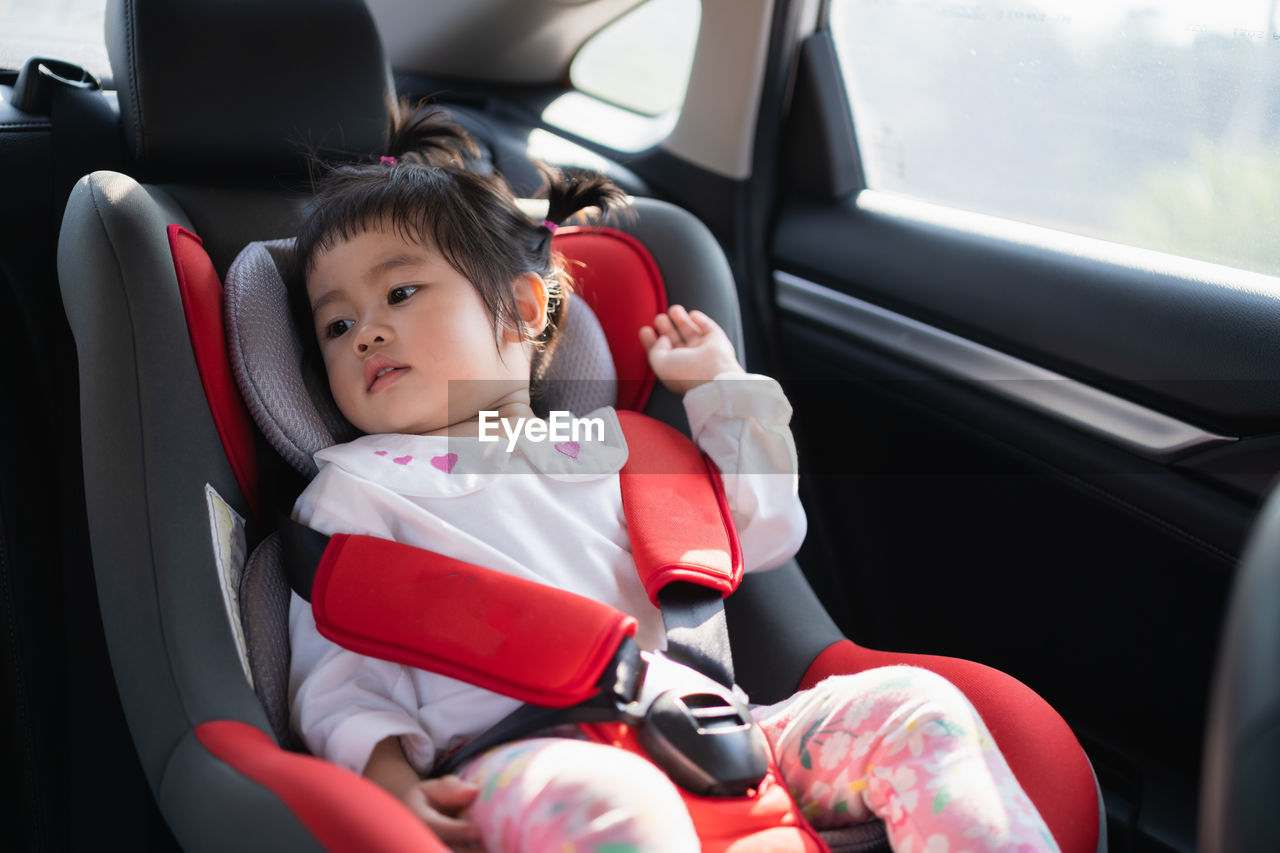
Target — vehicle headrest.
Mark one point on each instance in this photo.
(245, 87)
(288, 397)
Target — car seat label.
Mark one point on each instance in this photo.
(226, 527)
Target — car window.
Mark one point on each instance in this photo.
(642, 60)
(630, 78)
(70, 30)
(1146, 123)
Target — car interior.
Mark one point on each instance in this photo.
(1034, 459)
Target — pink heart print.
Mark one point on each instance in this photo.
(379, 453)
(569, 448)
(444, 463)
(402, 460)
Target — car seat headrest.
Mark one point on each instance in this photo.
(245, 87)
(288, 396)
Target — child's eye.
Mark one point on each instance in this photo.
(401, 293)
(337, 328)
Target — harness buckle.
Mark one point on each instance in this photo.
(698, 731)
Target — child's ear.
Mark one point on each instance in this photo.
(531, 302)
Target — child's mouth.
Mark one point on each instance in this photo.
(385, 376)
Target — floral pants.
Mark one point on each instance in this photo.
(898, 743)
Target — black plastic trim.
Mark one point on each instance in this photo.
(821, 144)
(1205, 351)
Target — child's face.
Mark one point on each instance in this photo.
(396, 323)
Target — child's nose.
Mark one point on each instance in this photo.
(363, 344)
(371, 333)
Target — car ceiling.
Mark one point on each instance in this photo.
(501, 41)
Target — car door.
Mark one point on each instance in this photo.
(1023, 297)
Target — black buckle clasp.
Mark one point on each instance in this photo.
(706, 742)
(698, 731)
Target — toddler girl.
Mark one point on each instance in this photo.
(434, 299)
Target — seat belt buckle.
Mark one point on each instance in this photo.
(698, 731)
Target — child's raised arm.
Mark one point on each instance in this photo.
(687, 348)
(741, 424)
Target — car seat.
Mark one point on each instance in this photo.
(1242, 751)
(216, 148)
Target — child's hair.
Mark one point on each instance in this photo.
(425, 190)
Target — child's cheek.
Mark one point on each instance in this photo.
(339, 381)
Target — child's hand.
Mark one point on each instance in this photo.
(687, 349)
(440, 802)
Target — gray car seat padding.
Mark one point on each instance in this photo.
(264, 614)
(284, 394)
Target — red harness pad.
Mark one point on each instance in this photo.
(677, 514)
(517, 637)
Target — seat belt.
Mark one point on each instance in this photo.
(697, 631)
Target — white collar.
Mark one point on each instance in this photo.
(447, 466)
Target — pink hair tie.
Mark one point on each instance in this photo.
(549, 225)
(387, 161)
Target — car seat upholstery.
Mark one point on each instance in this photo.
(217, 166)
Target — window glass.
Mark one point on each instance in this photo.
(1146, 122)
(70, 30)
(642, 60)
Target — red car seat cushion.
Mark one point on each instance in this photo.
(345, 812)
(615, 274)
(201, 291)
(766, 821)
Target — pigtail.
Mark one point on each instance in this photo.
(570, 191)
(567, 192)
(425, 135)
